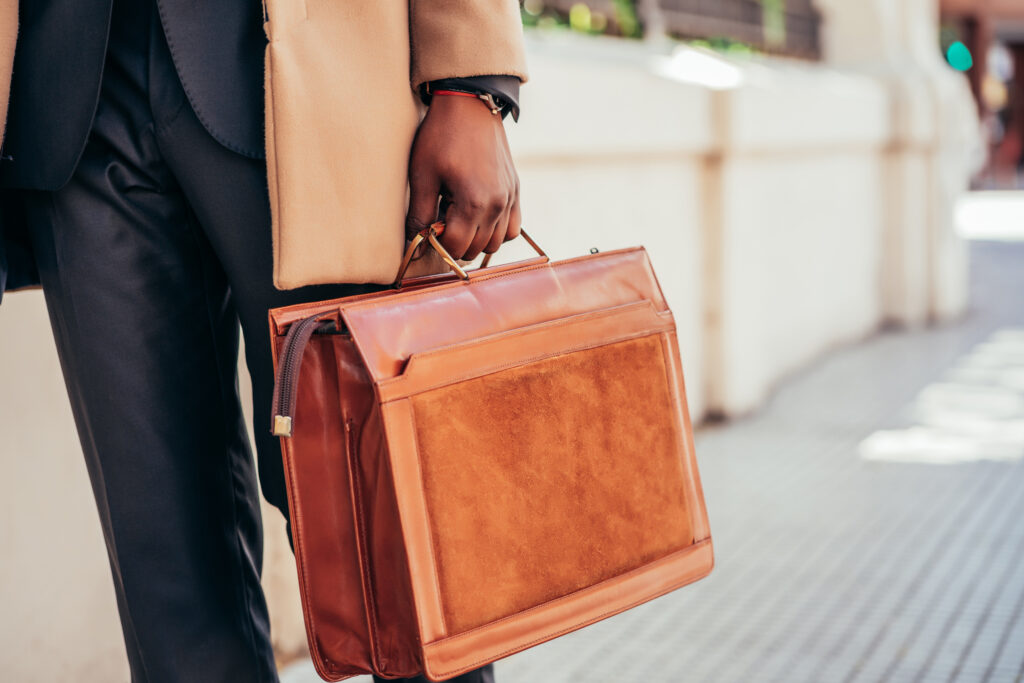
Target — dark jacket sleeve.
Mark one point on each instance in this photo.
(505, 89)
(17, 265)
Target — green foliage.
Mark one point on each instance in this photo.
(725, 45)
(626, 17)
(582, 17)
(593, 18)
(774, 19)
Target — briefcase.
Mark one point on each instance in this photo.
(478, 462)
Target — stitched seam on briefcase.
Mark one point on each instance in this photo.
(426, 511)
(678, 398)
(360, 520)
(511, 617)
(542, 327)
(359, 301)
(572, 627)
(297, 522)
(407, 296)
(374, 303)
(536, 359)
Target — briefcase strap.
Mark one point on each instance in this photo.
(286, 383)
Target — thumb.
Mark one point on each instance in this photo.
(424, 191)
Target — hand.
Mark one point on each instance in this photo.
(461, 153)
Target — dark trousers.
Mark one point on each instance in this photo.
(150, 257)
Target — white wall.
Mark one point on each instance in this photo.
(611, 155)
(935, 140)
(57, 614)
(799, 238)
(757, 186)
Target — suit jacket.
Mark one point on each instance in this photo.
(16, 267)
(218, 49)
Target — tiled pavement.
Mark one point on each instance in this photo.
(868, 524)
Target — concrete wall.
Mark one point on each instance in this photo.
(787, 207)
(612, 154)
(55, 585)
(759, 188)
(934, 147)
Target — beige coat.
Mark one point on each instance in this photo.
(342, 112)
(8, 34)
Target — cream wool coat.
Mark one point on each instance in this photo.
(341, 113)
(8, 35)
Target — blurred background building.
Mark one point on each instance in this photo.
(793, 167)
(985, 38)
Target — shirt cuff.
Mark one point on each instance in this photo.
(505, 89)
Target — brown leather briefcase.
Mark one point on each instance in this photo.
(480, 462)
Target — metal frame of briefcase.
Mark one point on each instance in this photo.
(476, 466)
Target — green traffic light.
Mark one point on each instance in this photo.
(959, 57)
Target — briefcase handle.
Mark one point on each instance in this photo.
(430, 234)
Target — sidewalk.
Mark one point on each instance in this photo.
(868, 524)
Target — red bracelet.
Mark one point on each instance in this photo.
(454, 92)
(487, 98)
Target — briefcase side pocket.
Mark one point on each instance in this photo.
(322, 521)
(386, 590)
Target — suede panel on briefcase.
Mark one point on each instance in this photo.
(481, 462)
